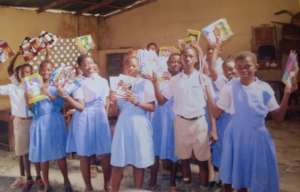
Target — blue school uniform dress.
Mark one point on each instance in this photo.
(47, 131)
(132, 142)
(248, 158)
(163, 130)
(89, 132)
(222, 123)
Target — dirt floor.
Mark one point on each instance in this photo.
(286, 137)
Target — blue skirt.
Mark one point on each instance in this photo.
(89, 132)
(47, 138)
(222, 123)
(132, 142)
(163, 132)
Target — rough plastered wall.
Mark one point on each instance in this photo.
(165, 21)
(16, 24)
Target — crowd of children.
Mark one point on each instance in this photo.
(213, 115)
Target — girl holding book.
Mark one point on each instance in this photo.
(248, 158)
(132, 142)
(90, 133)
(48, 132)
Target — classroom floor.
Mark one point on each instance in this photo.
(286, 137)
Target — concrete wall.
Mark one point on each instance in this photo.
(165, 21)
(17, 24)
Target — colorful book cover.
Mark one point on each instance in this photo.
(167, 51)
(5, 51)
(219, 28)
(182, 43)
(47, 39)
(84, 43)
(56, 75)
(291, 69)
(30, 48)
(194, 35)
(33, 85)
(120, 84)
(147, 61)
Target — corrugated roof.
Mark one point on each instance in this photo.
(102, 8)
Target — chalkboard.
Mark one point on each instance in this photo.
(114, 63)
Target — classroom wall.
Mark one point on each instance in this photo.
(165, 21)
(16, 24)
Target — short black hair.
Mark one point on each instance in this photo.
(81, 58)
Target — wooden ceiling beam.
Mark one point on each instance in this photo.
(55, 3)
(102, 4)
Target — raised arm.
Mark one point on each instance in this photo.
(158, 95)
(11, 66)
(77, 104)
(278, 114)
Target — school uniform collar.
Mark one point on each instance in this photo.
(184, 75)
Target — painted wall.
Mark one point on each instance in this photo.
(16, 24)
(165, 21)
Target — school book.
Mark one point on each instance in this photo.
(291, 69)
(85, 43)
(218, 29)
(147, 61)
(194, 35)
(30, 47)
(33, 85)
(47, 39)
(5, 51)
(184, 42)
(62, 75)
(120, 84)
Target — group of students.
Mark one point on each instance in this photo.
(195, 113)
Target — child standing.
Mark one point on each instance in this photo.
(163, 126)
(132, 142)
(248, 158)
(22, 121)
(223, 120)
(47, 132)
(89, 133)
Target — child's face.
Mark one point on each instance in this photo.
(174, 64)
(132, 67)
(26, 71)
(45, 71)
(189, 57)
(94, 68)
(153, 48)
(86, 66)
(245, 68)
(229, 70)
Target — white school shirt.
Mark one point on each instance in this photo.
(15, 91)
(188, 94)
(226, 103)
(148, 94)
(91, 88)
(220, 82)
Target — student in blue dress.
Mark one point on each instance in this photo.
(48, 132)
(163, 125)
(132, 141)
(219, 82)
(89, 133)
(248, 159)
